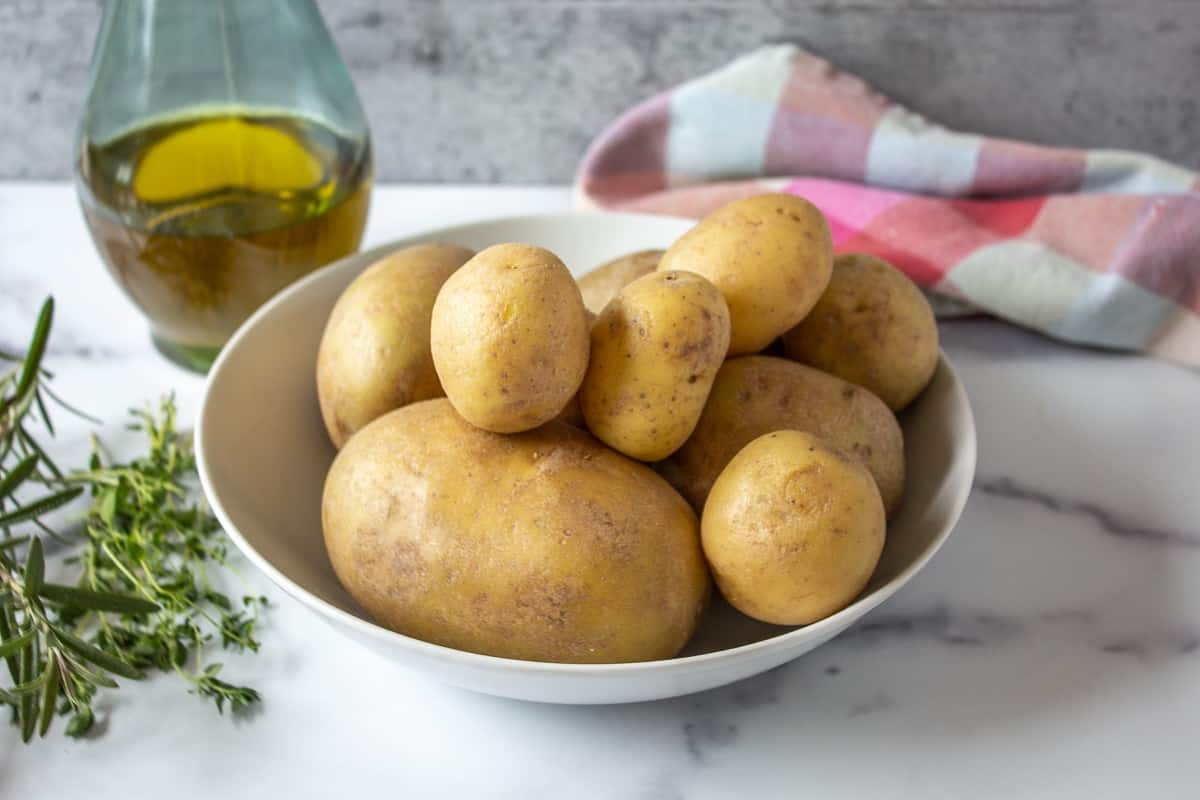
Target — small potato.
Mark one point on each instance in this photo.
(754, 395)
(374, 354)
(655, 351)
(792, 529)
(509, 337)
(770, 255)
(873, 327)
(601, 284)
(544, 545)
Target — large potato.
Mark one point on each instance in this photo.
(873, 327)
(754, 395)
(792, 529)
(374, 354)
(509, 337)
(543, 545)
(770, 255)
(601, 284)
(655, 351)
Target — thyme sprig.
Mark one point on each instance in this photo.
(151, 564)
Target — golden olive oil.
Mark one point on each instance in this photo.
(202, 218)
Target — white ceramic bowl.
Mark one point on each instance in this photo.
(263, 454)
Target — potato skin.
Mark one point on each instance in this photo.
(509, 337)
(600, 285)
(872, 327)
(374, 354)
(655, 351)
(543, 545)
(792, 529)
(754, 395)
(770, 255)
(572, 413)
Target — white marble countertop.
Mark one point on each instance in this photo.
(1051, 650)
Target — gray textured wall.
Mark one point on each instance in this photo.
(513, 90)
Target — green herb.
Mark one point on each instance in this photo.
(147, 554)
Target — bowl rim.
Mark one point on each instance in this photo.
(780, 642)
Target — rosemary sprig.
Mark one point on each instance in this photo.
(144, 598)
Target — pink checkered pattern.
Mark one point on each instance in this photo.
(1099, 247)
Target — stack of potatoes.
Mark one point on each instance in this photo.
(539, 469)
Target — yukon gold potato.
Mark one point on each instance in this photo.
(873, 327)
(509, 337)
(655, 351)
(374, 354)
(792, 529)
(542, 545)
(770, 255)
(754, 395)
(601, 284)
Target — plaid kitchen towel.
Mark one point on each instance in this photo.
(1100, 247)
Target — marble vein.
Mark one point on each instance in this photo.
(1167, 645)
(1109, 520)
(706, 733)
(876, 703)
(940, 625)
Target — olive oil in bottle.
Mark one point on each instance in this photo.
(202, 217)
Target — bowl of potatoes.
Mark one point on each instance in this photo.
(592, 458)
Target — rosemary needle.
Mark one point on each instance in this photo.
(146, 555)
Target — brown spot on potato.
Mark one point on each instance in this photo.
(406, 561)
(695, 347)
